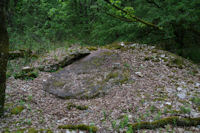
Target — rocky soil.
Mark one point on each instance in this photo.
(161, 85)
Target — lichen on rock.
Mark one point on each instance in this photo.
(89, 77)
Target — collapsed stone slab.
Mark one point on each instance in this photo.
(89, 77)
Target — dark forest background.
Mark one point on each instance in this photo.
(172, 25)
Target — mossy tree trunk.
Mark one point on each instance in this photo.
(4, 45)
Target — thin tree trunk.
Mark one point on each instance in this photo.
(4, 45)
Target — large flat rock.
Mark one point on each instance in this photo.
(89, 77)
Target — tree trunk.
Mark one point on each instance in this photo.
(179, 33)
(4, 45)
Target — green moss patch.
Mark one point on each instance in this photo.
(198, 108)
(174, 121)
(147, 58)
(8, 105)
(30, 130)
(26, 75)
(58, 83)
(79, 127)
(195, 100)
(17, 110)
(176, 62)
(115, 45)
(79, 107)
(91, 48)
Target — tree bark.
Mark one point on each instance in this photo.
(4, 46)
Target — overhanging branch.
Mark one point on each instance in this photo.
(119, 17)
(134, 18)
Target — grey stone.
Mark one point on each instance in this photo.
(181, 95)
(90, 77)
(179, 89)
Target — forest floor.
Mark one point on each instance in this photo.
(162, 86)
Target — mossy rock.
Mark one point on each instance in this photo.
(17, 110)
(81, 107)
(90, 77)
(29, 130)
(176, 61)
(32, 130)
(91, 48)
(174, 121)
(70, 106)
(82, 127)
(115, 45)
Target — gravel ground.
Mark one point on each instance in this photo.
(156, 90)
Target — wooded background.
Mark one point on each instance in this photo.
(33, 23)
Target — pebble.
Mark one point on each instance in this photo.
(169, 90)
(23, 89)
(180, 130)
(168, 103)
(139, 74)
(122, 44)
(197, 84)
(179, 89)
(181, 95)
(130, 116)
(195, 114)
(198, 126)
(162, 55)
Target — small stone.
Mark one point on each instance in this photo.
(168, 103)
(169, 90)
(62, 120)
(179, 88)
(181, 95)
(122, 44)
(133, 45)
(139, 74)
(130, 116)
(198, 126)
(180, 130)
(195, 114)
(183, 83)
(23, 89)
(162, 55)
(116, 65)
(27, 69)
(197, 84)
